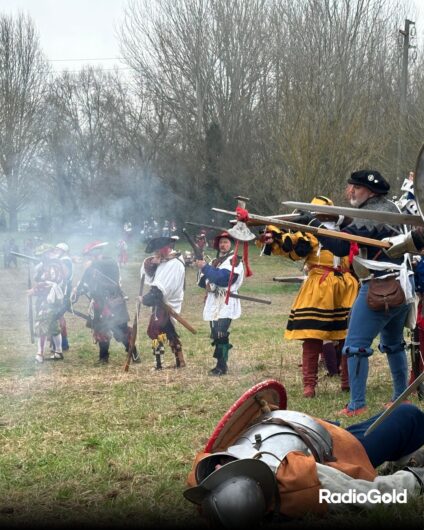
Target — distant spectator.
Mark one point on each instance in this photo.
(122, 252)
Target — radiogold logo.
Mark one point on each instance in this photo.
(373, 496)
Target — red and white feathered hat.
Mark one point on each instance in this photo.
(89, 247)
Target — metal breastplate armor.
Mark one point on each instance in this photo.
(280, 432)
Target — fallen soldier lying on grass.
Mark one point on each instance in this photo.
(264, 461)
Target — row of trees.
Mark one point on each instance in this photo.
(272, 99)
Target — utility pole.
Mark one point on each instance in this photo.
(406, 33)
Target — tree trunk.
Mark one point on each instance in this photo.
(13, 219)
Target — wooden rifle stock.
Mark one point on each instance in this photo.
(198, 253)
(133, 338)
(179, 319)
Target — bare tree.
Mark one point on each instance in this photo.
(204, 60)
(23, 85)
(337, 90)
(80, 139)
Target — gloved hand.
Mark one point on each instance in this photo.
(304, 218)
(401, 244)
(153, 297)
(303, 247)
(74, 296)
(286, 243)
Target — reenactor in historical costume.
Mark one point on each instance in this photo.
(61, 253)
(319, 314)
(128, 231)
(108, 314)
(47, 289)
(380, 275)
(218, 277)
(122, 252)
(164, 273)
(266, 464)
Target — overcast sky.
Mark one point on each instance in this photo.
(74, 29)
(86, 29)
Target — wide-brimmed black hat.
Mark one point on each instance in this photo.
(156, 243)
(371, 179)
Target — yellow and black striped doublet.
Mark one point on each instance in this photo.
(323, 303)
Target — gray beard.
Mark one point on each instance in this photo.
(378, 203)
(355, 203)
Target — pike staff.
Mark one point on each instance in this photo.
(30, 307)
(297, 227)
(133, 337)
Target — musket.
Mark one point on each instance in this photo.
(411, 388)
(250, 298)
(171, 312)
(79, 314)
(212, 227)
(30, 310)
(313, 230)
(289, 279)
(198, 253)
(133, 338)
(25, 256)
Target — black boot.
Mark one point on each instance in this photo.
(216, 355)
(103, 353)
(221, 353)
(158, 352)
(158, 362)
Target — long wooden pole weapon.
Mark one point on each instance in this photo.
(313, 230)
(396, 403)
(30, 310)
(133, 338)
(179, 318)
(289, 279)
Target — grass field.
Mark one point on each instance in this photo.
(88, 445)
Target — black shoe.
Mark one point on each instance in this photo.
(102, 361)
(217, 372)
(57, 356)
